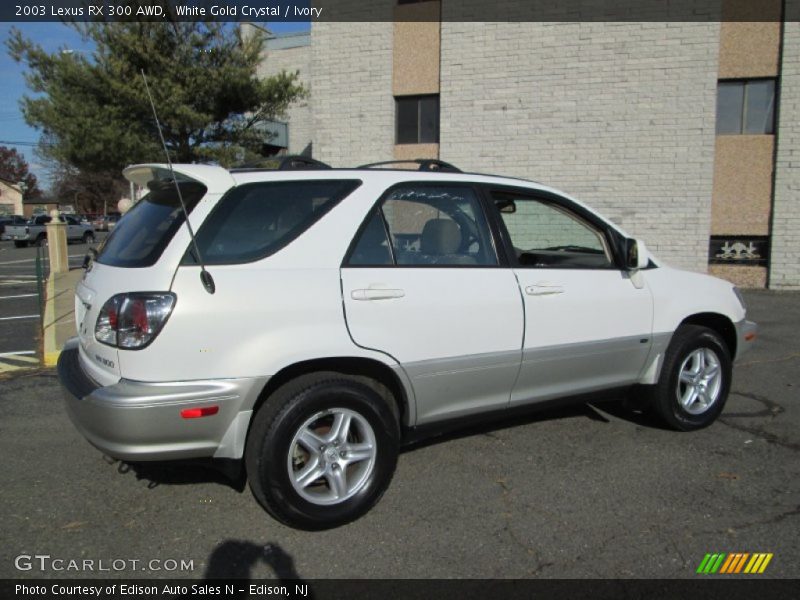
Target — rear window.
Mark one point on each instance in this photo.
(140, 237)
(255, 220)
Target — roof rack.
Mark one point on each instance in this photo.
(283, 163)
(425, 164)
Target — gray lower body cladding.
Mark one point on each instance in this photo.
(139, 421)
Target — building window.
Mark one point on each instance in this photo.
(417, 119)
(746, 106)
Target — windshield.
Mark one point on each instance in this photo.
(140, 236)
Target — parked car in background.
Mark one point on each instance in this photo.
(9, 220)
(89, 218)
(106, 222)
(338, 313)
(35, 231)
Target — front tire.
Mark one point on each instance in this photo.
(695, 379)
(321, 451)
(20, 244)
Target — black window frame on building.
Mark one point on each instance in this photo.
(408, 110)
(743, 106)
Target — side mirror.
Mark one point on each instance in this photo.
(635, 255)
(508, 207)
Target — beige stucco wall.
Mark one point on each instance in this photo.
(742, 185)
(416, 49)
(748, 49)
(749, 38)
(742, 276)
(410, 151)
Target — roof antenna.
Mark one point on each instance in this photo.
(205, 276)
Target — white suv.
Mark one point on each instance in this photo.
(344, 311)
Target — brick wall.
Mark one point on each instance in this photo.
(299, 114)
(353, 104)
(785, 252)
(620, 115)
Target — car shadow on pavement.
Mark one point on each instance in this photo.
(224, 472)
(592, 408)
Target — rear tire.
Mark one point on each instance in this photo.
(41, 241)
(695, 379)
(321, 451)
(88, 238)
(21, 244)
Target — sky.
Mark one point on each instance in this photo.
(52, 37)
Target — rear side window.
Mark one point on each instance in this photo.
(441, 225)
(139, 239)
(255, 220)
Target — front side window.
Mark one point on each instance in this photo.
(547, 235)
(255, 220)
(421, 225)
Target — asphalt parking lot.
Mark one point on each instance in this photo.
(19, 304)
(588, 492)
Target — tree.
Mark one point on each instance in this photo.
(88, 192)
(14, 168)
(94, 112)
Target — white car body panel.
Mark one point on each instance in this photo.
(457, 332)
(460, 340)
(284, 317)
(679, 294)
(585, 329)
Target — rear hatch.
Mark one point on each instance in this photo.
(138, 255)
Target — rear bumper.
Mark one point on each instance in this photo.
(746, 333)
(139, 421)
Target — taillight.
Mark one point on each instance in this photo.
(131, 321)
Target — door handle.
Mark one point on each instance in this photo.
(544, 288)
(376, 294)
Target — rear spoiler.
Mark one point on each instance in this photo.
(216, 179)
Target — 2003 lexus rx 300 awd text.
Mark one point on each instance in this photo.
(312, 319)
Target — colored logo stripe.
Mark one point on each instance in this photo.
(734, 562)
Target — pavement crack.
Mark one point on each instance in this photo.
(794, 512)
(771, 409)
(768, 437)
(508, 527)
(770, 360)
